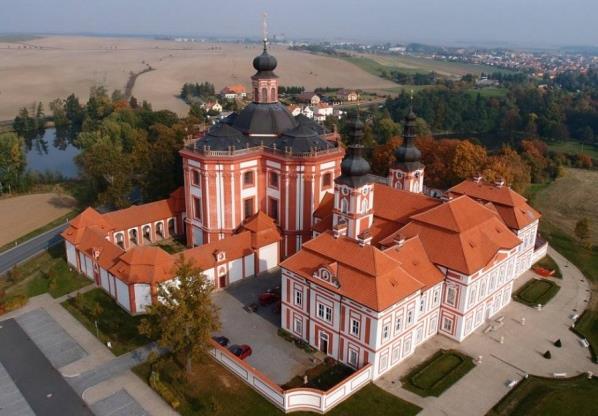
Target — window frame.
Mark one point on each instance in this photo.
(355, 327)
(248, 174)
(276, 183)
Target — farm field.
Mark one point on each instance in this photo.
(574, 148)
(569, 199)
(22, 214)
(35, 70)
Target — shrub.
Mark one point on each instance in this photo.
(547, 355)
(13, 303)
(558, 343)
(163, 390)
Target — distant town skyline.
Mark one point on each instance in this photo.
(541, 23)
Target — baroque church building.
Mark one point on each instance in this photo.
(371, 267)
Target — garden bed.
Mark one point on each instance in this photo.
(323, 376)
(438, 373)
(536, 292)
(114, 323)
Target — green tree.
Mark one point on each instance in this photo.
(582, 231)
(12, 160)
(185, 317)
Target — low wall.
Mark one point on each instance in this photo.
(292, 400)
(539, 253)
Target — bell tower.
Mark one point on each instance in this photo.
(407, 172)
(265, 82)
(354, 189)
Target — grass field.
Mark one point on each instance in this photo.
(548, 397)
(568, 199)
(211, 390)
(438, 373)
(574, 148)
(536, 292)
(45, 273)
(31, 75)
(114, 323)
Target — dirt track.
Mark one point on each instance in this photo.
(23, 214)
(58, 66)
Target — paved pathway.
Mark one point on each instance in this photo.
(12, 402)
(99, 374)
(521, 352)
(30, 248)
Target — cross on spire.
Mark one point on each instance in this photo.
(265, 26)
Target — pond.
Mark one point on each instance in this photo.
(48, 151)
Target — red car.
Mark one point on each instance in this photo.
(242, 351)
(269, 296)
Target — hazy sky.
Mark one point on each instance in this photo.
(527, 22)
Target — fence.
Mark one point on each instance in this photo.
(292, 400)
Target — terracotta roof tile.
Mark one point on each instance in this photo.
(413, 258)
(234, 247)
(144, 264)
(263, 229)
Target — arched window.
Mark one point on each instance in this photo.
(160, 229)
(264, 96)
(398, 185)
(171, 227)
(273, 94)
(344, 206)
(147, 233)
(364, 206)
(133, 236)
(120, 240)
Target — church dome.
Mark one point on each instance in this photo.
(264, 119)
(223, 137)
(301, 139)
(265, 63)
(408, 155)
(354, 168)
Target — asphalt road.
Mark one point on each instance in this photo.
(30, 248)
(42, 386)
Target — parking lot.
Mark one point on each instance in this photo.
(272, 355)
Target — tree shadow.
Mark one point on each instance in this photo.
(62, 202)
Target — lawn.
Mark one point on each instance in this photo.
(211, 390)
(323, 376)
(114, 323)
(47, 272)
(538, 396)
(536, 292)
(172, 245)
(573, 147)
(549, 264)
(438, 373)
(587, 327)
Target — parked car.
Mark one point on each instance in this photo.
(269, 296)
(242, 351)
(221, 340)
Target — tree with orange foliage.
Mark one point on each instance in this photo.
(383, 155)
(469, 160)
(437, 156)
(510, 166)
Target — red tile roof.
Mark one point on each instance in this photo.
(365, 274)
(460, 234)
(413, 258)
(511, 206)
(263, 229)
(144, 264)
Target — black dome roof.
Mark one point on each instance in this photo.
(264, 118)
(264, 63)
(222, 137)
(302, 139)
(354, 167)
(407, 155)
(303, 119)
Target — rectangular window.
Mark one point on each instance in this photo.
(422, 304)
(451, 295)
(409, 316)
(399, 324)
(273, 181)
(326, 180)
(273, 209)
(353, 358)
(195, 177)
(355, 327)
(385, 331)
(298, 297)
(298, 327)
(447, 325)
(472, 295)
(324, 312)
(248, 207)
(197, 208)
(435, 299)
(248, 179)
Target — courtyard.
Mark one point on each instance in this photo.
(520, 353)
(272, 355)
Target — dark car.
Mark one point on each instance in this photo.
(221, 340)
(269, 296)
(242, 351)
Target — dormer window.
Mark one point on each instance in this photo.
(326, 274)
(220, 255)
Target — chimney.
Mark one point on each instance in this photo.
(477, 178)
(399, 240)
(364, 238)
(500, 182)
(339, 230)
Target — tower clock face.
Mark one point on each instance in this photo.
(365, 190)
(399, 175)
